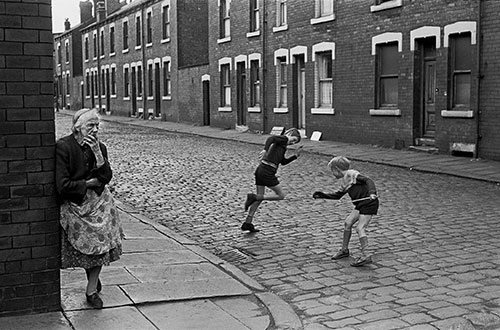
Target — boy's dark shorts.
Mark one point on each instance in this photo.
(368, 207)
(265, 175)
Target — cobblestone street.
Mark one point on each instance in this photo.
(435, 240)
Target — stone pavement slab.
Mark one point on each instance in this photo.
(46, 321)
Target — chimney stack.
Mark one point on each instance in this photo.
(85, 11)
(101, 10)
(67, 24)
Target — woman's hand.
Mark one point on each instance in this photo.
(93, 143)
(93, 182)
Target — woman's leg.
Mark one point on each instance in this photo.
(93, 278)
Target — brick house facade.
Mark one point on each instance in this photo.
(395, 73)
(29, 214)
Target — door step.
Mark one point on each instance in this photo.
(425, 142)
(427, 149)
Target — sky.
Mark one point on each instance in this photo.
(62, 9)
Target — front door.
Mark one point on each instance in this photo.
(428, 120)
(133, 96)
(429, 99)
(157, 91)
(206, 102)
(299, 102)
(241, 94)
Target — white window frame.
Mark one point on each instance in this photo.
(319, 17)
(166, 4)
(281, 16)
(385, 5)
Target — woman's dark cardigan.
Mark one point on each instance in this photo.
(76, 164)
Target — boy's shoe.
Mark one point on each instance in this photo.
(341, 254)
(249, 226)
(251, 198)
(361, 261)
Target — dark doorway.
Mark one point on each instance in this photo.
(157, 91)
(241, 94)
(299, 89)
(206, 103)
(133, 96)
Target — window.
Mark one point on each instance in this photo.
(325, 80)
(254, 84)
(66, 51)
(139, 81)
(59, 54)
(87, 84)
(281, 70)
(281, 13)
(324, 8)
(254, 16)
(166, 23)
(149, 32)
(387, 75)
(225, 78)
(126, 82)
(138, 31)
(461, 65)
(150, 80)
(167, 88)
(86, 48)
(112, 40)
(95, 83)
(102, 43)
(113, 81)
(95, 45)
(125, 35)
(225, 23)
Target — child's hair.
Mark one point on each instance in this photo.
(340, 162)
(293, 132)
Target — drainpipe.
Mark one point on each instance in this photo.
(144, 66)
(479, 77)
(264, 67)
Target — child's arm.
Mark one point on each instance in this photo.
(336, 195)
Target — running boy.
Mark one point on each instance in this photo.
(265, 175)
(363, 193)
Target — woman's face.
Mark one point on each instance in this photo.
(90, 127)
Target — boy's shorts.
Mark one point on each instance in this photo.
(265, 175)
(368, 207)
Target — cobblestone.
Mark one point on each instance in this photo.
(435, 238)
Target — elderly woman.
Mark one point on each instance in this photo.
(91, 235)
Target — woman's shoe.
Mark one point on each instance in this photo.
(94, 300)
(249, 226)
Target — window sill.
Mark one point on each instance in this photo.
(150, 98)
(149, 45)
(138, 47)
(253, 34)
(167, 98)
(385, 112)
(87, 60)
(254, 109)
(280, 28)
(112, 54)
(163, 41)
(387, 5)
(126, 98)
(322, 19)
(280, 110)
(113, 96)
(457, 113)
(125, 51)
(224, 109)
(102, 57)
(223, 40)
(322, 111)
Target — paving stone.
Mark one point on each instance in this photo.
(122, 318)
(74, 298)
(46, 321)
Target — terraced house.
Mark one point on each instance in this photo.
(395, 73)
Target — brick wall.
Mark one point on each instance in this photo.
(29, 216)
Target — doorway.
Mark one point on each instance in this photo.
(134, 92)
(206, 102)
(157, 91)
(427, 100)
(241, 119)
(299, 90)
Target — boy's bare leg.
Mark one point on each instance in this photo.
(364, 221)
(351, 219)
